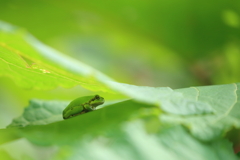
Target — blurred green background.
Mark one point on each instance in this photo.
(155, 43)
(150, 42)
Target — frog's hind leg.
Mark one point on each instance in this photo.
(84, 111)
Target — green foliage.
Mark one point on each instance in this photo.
(40, 112)
(224, 100)
(132, 142)
(5, 155)
(114, 139)
(149, 122)
(33, 65)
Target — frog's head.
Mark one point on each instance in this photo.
(96, 101)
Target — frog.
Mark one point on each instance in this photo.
(82, 105)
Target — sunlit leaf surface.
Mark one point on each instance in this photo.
(33, 65)
(224, 100)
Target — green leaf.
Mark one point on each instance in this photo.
(218, 106)
(132, 142)
(224, 100)
(102, 134)
(10, 134)
(168, 100)
(100, 122)
(4, 155)
(33, 65)
(209, 112)
(40, 112)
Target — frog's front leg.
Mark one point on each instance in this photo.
(88, 107)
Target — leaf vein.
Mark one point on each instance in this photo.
(230, 108)
(49, 75)
(198, 92)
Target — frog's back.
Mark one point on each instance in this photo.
(78, 102)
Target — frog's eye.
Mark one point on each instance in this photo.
(97, 97)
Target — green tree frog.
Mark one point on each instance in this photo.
(82, 105)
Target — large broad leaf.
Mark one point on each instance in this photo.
(31, 64)
(103, 128)
(209, 112)
(107, 133)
